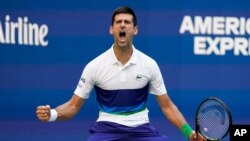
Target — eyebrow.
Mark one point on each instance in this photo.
(125, 20)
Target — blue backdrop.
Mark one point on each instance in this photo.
(44, 46)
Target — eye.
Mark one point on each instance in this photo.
(118, 22)
(127, 22)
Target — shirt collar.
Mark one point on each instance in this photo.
(132, 60)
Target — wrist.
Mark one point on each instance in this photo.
(53, 115)
(186, 130)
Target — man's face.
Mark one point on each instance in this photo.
(123, 30)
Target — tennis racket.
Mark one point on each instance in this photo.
(213, 119)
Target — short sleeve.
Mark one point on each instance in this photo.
(157, 85)
(86, 82)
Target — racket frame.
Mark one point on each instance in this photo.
(197, 124)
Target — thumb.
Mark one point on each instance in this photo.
(47, 106)
(195, 135)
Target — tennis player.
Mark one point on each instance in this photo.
(122, 77)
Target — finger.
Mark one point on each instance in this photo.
(43, 118)
(47, 108)
(42, 111)
(43, 107)
(194, 136)
(40, 107)
(42, 115)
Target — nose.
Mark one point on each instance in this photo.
(123, 24)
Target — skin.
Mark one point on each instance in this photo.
(123, 45)
(123, 51)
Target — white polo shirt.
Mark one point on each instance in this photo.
(122, 90)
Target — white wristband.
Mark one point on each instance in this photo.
(53, 115)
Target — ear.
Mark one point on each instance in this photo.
(111, 30)
(135, 30)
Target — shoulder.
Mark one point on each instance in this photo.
(144, 58)
(98, 61)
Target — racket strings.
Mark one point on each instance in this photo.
(213, 120)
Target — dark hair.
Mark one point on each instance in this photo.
(124, 10)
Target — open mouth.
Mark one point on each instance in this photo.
(122, 34)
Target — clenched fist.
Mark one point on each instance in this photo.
(43, 113)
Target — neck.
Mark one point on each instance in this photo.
(123, 54)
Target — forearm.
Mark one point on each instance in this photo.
(65, 111)
(174, 115)
(170, 110)
(70, 108)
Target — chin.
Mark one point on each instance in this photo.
(123, 45)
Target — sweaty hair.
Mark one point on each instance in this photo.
(124, 10)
